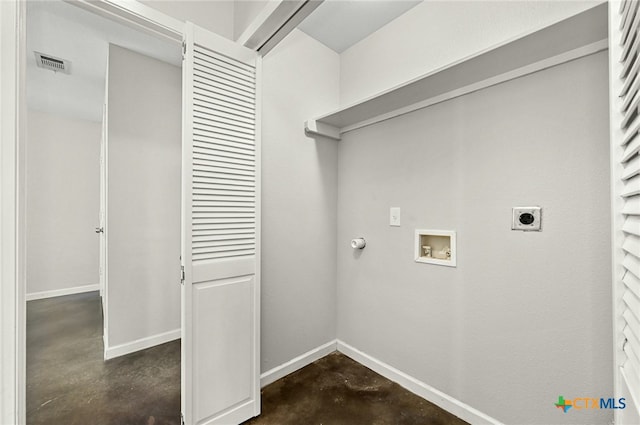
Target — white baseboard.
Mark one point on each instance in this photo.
(140, 344)
(445, 401)
(297, 363)
(61, 292)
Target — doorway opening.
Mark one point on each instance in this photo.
(103, 220)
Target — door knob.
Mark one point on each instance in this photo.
(99, 229)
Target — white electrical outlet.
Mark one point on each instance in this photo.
(527, 219)
(394, 216)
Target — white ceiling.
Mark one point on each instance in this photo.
(65, 31)
(339, 24)
(68, 32)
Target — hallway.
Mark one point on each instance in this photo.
(68, 382)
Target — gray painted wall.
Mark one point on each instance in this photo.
(143, 221)
(524, 317)
(63, 202)
(299, 194)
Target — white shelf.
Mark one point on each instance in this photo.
(569, 39)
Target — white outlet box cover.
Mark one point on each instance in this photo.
(527, 219)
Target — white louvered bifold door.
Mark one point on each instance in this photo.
(624, 48)
(220, 232)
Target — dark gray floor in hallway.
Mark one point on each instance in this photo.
(69, 383)
(336, 390)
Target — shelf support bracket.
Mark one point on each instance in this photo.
(315, 128)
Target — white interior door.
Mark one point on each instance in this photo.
(220, 232)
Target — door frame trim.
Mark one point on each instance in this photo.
(12, 234)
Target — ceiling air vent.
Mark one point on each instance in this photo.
(52, 63)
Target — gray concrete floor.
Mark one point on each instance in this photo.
(69, 383)
(336, 390)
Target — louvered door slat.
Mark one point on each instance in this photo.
(632, 48)
(204, 67)
(631, 113)
(632, 283)
(214, 131)
(225, 233)
(226, 198)
(222, 164)
(631, 187)
(203, 98)
(215, 211)
(221, 91)
(213, 77)
(231, 127)
(632, 315)
(235, 67)
(632, 131)
(248, 210)
(631, 149)
(631, 263)
(631, 95)
(632, 206)
(633, 72)
(225, 89)
(215, 237)
(628, 49)
(223, 145)
(204, 151)
(624, 12)
(207, 71)
(223, 117)
(207, 157)
(631, 245)
(222, 177)
(210, 135)
(223, 169)
(632, 350)
(222, 131)
(215, 106)
(634, 324)
(223, 255)
(631, 168)
(204, 227)
(210, 191)
(632, 225)
(633, 305)
(629, 22)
